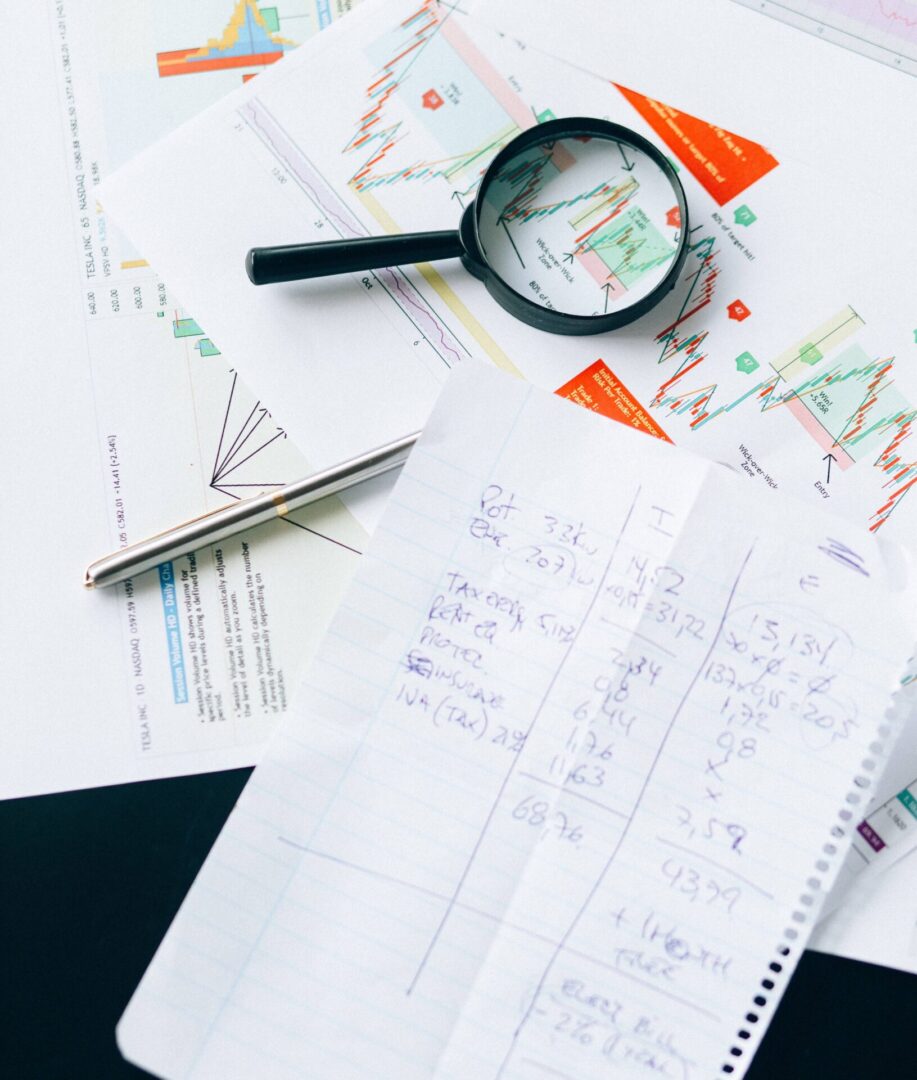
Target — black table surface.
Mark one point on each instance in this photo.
(90, 881)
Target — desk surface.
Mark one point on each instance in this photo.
(91, 880)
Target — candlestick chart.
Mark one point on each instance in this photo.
(431, 79)
(844, 399)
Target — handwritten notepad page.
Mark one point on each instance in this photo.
(566, 783)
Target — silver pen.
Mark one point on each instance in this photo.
(218, 524)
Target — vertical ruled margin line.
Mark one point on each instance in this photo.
(509, 772)
(600, 879)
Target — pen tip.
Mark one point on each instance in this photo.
(88, 581)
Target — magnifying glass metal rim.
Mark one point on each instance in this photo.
(520, 306)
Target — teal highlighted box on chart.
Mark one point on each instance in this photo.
(173, 634)
(908, 801)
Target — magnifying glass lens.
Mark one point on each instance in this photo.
(581, 225)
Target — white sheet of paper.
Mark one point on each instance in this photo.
(123, 418)
(831, 108)
(878, 924)
(883, 32)
(885, 832)
(567, 780)
(763, 357)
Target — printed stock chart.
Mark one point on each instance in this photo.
(843, 396)
(437, 112)
(251, 38)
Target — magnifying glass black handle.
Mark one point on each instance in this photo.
(293, 262)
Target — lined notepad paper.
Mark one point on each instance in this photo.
(565, 786)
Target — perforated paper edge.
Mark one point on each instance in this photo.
(780, 968)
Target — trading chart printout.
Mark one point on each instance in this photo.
(143, 423)
(566, 785)
(790, 366)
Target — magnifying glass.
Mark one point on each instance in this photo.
(579, 226)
